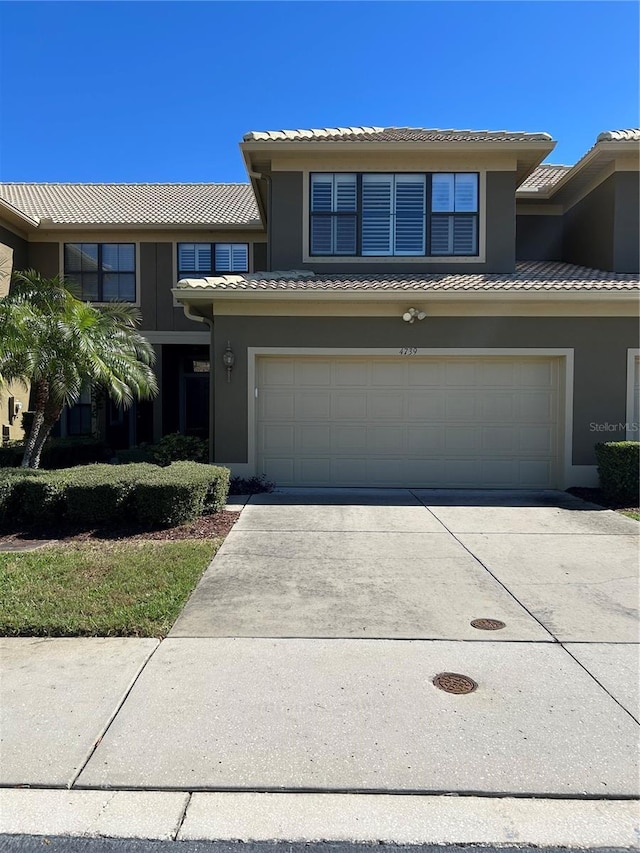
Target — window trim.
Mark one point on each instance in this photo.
(83, 239)
(479, 258)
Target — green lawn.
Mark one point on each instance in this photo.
(631, 514)
(100, 589)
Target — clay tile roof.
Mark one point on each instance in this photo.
(543, 177)
(393, 134)
(135, 204)
(632, 134)
(529, 276)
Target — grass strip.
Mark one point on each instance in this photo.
(100, 590)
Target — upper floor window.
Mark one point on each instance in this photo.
(394, 214)
(106, 272)
(197, 260)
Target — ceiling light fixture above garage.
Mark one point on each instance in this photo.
(412, 315)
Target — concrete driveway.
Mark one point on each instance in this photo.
(401, 564)
(304, 661)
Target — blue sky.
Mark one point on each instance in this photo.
(163, 91)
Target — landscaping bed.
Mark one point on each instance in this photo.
(597, 496)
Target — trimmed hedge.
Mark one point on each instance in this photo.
(99, 495)
(181, 492)
(619, 470)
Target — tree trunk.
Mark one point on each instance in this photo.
(51, 415)
(40, 395)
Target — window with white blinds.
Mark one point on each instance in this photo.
(393, 214)
(383, 215)
(198, 260)
(454, 214)
(333, 214)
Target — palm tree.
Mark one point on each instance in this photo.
(59, 344)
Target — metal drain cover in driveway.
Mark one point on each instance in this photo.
(488, 624)
(453, 682)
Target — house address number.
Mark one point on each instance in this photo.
(408, 350)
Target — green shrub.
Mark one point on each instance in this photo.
(97, 495)
(9, 480)
(176, 447)
(618, 469)
(38, 496)
(179, 493)
(142, 453)
(250, 485)
(11, 454)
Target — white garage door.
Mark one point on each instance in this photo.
(408, 421)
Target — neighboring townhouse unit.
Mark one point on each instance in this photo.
(378, 307)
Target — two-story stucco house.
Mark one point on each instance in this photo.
(377, 307)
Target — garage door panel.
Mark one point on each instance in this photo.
(497, 406)
(537, 374)
(385, 405)
(346, 439)
(391, 373)
(463, 439)
(426, 406)
(312, 372)
(312, 405)
(418, 421)
(349, 405)
(430, 374)
(278, 438)
(273, 372)
(278, 469)
(277, 405)
(461, 372)
(314, 470)
(390, 440)
(353, 373)
(462, 405)
(313, 438)
(535, 439)
(536, 407)
(425, 439)
(495, 439)
(534, 474)
(499, 473)
(496, 373)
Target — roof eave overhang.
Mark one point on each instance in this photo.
(603, 151)
(16, 217)
(48, 225)
(203, 295)
(266, 145)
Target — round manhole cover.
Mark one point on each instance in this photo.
(453, 682)
(488, 624)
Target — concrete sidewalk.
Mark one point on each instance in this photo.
(303, 666)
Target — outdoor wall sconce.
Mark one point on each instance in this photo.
(228, 359)
(412, 315)
(15, 407)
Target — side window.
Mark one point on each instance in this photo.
(333, 214)
(454, 214)
(199, 260)
(106, 272)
